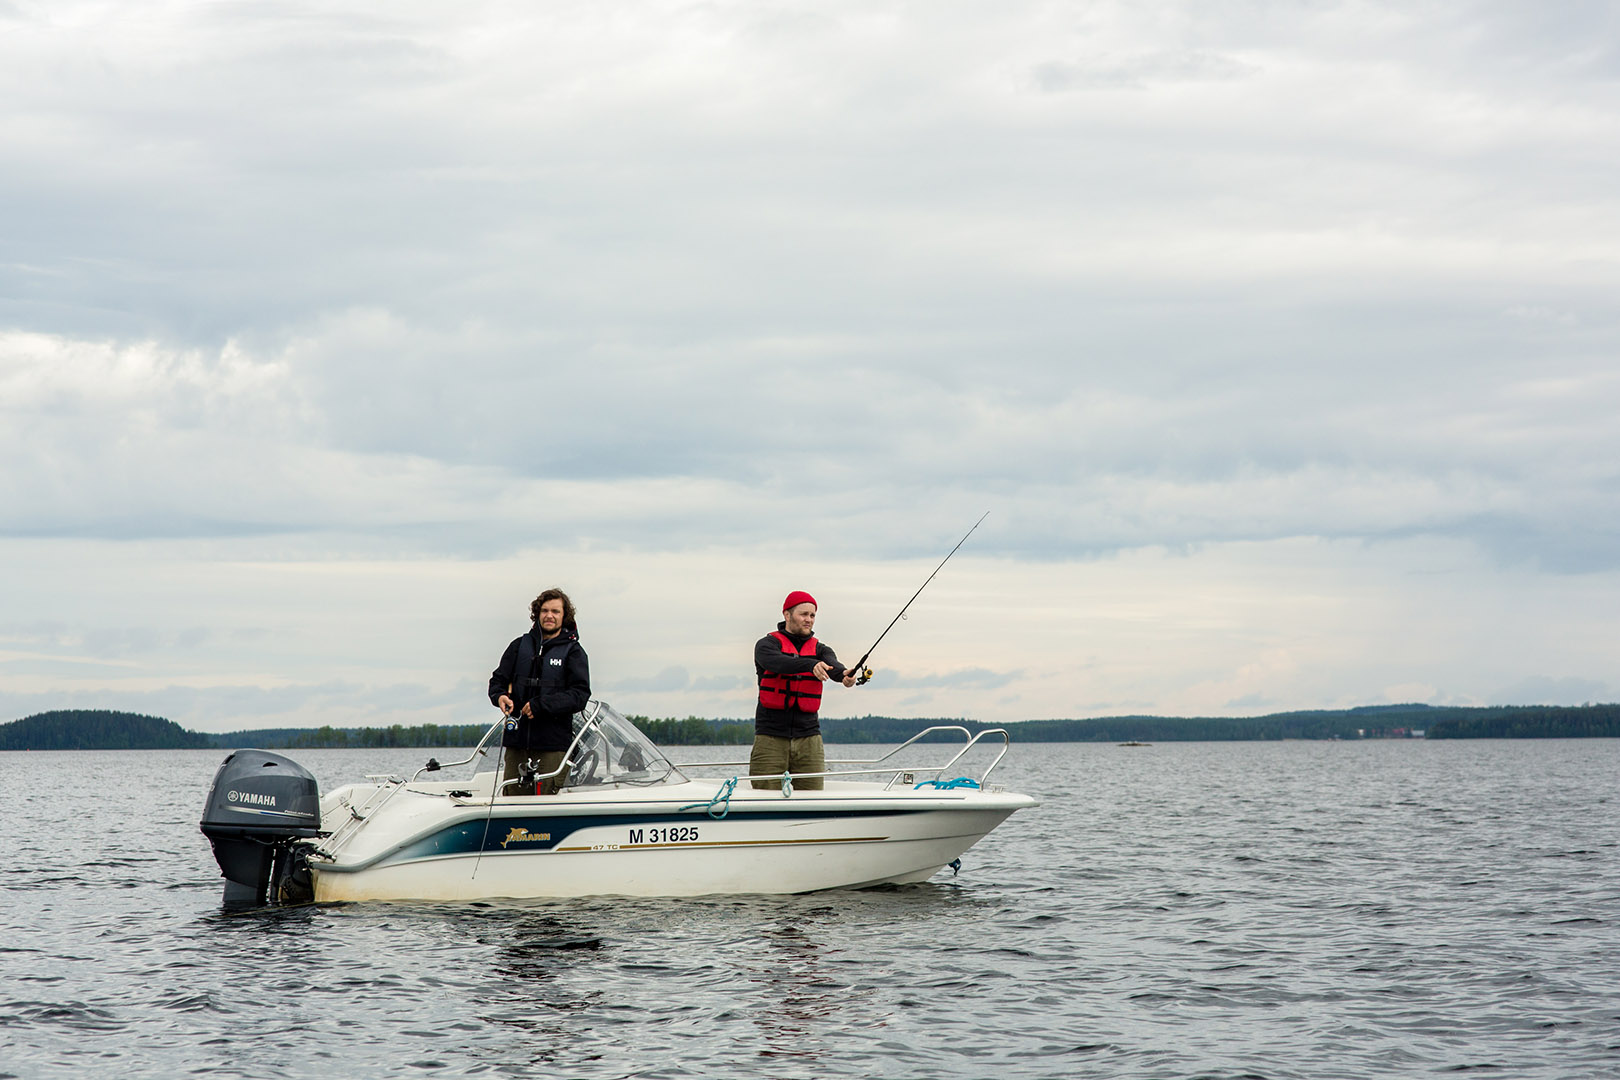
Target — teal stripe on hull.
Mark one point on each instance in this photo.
(544, 833)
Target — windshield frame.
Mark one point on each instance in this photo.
(609, 751)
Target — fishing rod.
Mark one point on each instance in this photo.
(494, 790)
(865, 675)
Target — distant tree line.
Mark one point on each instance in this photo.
(891, 729)
(695, 731)
(1530, 722)
(395, 735)
(105, 729)
(97, 729)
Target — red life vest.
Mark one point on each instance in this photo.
(778, 691)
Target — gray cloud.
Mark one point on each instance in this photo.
(396, 282)
(339, 702)
(1137, 72)
(966, 677)
(708, 683)
(670, 678)
(113, 642)
(1514, 463)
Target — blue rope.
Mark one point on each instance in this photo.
(722, 796)
(946, 785)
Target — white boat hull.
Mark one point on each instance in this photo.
(653, 843)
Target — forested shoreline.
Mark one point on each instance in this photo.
(105, 729)
(98, 729)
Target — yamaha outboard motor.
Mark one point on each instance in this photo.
(260, 805)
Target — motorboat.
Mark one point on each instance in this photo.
(627, 821)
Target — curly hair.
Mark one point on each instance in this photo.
(568, 608)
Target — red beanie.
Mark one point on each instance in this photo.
(794, 599)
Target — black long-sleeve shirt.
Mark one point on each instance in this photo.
(557, 685)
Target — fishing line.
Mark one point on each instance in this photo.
(860, 665)
(494, 786)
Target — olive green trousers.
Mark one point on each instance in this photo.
(776, 755)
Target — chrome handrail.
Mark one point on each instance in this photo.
(1006, 744)
(477, 751)
(896, 771)
(386, 788)
(593, 708)
(925, 731)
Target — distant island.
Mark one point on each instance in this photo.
(104, 729)
(98, 729)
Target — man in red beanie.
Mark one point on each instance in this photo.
(791, 666)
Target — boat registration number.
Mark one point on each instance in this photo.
(673, 834)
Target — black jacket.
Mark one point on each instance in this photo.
(768, 656)
(556, 683)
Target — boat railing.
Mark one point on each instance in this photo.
(387, 786)
(478, 751)
(592, 710)
(590, 723)
(896, 773)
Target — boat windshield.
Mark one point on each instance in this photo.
(608, 749)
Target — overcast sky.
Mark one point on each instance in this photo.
(1281, 341)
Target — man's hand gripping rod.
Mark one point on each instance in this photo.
(865, 675)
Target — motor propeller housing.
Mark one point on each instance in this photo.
(259, 806)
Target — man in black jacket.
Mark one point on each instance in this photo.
(544, 678)
(791, 665)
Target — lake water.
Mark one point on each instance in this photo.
(1378, 909)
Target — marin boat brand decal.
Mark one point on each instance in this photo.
(524, 836)
(252, 797)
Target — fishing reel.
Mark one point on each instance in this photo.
(864, 677)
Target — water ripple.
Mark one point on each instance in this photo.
(1238, 910)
